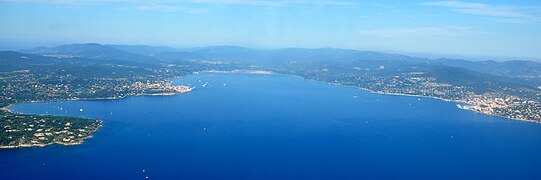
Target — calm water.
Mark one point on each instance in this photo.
(241, 126)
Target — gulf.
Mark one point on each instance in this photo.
(247, 126)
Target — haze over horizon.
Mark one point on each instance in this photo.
(460, 28)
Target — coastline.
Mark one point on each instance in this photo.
(437, 98)
(263, 72)
(412, 95)
(237, 71)
(7, 109)
(514, 119)
(43, 145)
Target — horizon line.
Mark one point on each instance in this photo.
(427, 55)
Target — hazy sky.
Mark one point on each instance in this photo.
(470, 28)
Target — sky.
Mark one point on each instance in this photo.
(476, 28)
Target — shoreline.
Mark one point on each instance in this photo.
(237, 71)
(436, 98)
(52, 143)
(411, 95)
(513, 119)
(263, 72)
(7, 109)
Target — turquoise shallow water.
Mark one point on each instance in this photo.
(241, 126)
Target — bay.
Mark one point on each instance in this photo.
(246, 126)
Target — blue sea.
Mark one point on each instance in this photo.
(246, 126)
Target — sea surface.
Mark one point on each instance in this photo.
(246, 126)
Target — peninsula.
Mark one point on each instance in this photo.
(30, 78)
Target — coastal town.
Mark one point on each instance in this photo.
(18, 130)
(55, 78)
(158, 88)
(67, 81)
(500, 102)
(511, 107)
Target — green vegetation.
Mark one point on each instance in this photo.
(31, 130)
(487, 94)
(25, 77)
(90, 71)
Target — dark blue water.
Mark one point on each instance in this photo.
(280, 127)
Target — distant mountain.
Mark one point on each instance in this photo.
(338, 56)
(88, 50)
(480, 82)
(9, 58)
(280, 56)
(16, 61)
(347, 58)
(522, 69)
(12, 60)
(230, 53)
(143, 49)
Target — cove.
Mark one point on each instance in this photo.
(248, 126)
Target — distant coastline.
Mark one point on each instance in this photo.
(463, 107)
(238, 71)
(437, 98)
(263, 72)
(6, 108)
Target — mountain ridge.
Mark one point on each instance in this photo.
(152, 54)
